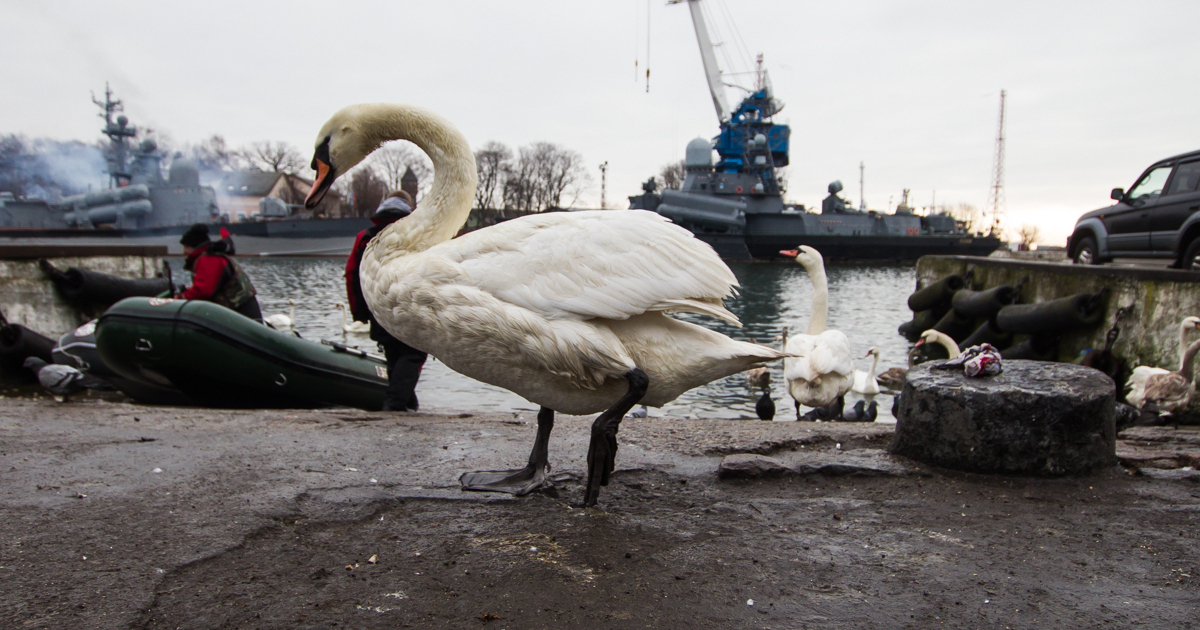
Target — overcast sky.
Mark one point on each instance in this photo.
(1097, 90)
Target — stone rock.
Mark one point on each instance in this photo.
(1035, 417)
(750, 466)
(857, 463)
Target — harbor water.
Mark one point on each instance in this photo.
(867, 302)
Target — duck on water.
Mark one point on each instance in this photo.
(567, 310)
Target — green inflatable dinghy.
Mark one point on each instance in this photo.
(215, 357)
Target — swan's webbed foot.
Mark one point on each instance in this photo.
(602, 452)
(520, 481)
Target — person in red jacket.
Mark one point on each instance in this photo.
(215, 276)
(403, 361)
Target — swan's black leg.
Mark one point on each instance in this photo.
(602, 452)
(798, 416)
(840, 409)
(521, 481)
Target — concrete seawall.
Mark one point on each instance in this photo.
(1150, 336)
(29, 298)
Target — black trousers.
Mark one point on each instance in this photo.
(404, 368)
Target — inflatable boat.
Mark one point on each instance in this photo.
(214, 357)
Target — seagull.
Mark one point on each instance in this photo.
(63, 380)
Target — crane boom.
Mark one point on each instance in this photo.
(709, 58)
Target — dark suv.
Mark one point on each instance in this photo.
(1158, 218)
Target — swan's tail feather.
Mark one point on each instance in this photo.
(702, 307)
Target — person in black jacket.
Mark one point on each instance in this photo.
(403, 361)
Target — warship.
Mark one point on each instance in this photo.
(736, 204)
(145, 206)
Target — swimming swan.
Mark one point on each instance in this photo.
(349, 325)
(865, 383)
(566, 309)
(282, 322)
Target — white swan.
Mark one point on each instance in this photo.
(946, 341)
(864, 382)
(349, 325)
(1136, 384)
(566, 309)
(279, 321)
(822, 371)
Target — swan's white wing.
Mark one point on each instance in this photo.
(832, 354)
(583, 265)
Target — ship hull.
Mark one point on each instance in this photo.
(838, 238)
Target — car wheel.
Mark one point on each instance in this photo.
(1086, 252)
(1191, 256)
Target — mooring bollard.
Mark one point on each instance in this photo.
(1035, 417)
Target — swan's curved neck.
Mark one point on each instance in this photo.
(446, 206)
(1185, 370)
(1183, 330)
(949, 344)
(875, 364)
(820, 299)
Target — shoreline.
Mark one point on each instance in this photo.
(270, 518)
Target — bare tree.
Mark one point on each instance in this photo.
(362, 190)
(492, 161)
(965, 214)
(519, 184)
(273, 157)
(213, 154)
(1028, 236)
(671, 176)
(395, 158)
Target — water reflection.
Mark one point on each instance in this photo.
(867, 302)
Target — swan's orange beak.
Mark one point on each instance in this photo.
(790, 253)
(325, 177)
(919, 342)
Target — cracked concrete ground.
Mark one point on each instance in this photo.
(115, 515)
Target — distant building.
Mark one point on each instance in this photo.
(239, 193)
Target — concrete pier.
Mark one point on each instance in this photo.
(29, 298)
(1150, 336)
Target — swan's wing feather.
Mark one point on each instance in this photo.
(582, 265)
(832, 354)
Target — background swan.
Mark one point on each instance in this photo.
(892, 379)
(1173, 391)
(565, 309)
(279, 321)
(1137, 380)
(349, 325)
(864, 382)
(933, 336)
(822, 371)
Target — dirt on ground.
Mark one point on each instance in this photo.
(115, 515)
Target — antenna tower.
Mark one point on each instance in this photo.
(603, 185)
(862, 199)
(997, 194)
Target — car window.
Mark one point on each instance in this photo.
(1186, 176)
(1149, 187)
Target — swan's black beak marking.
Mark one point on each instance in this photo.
(326, 173)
